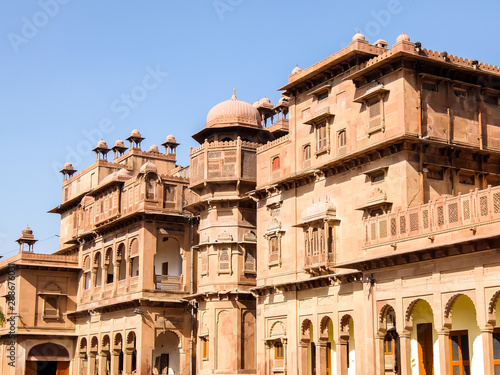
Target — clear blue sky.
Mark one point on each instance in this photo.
(68, 66)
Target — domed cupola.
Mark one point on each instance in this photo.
(231, 116)
(233, 111)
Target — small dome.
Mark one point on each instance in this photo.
(108, 178)
(233, 111)
(154, 148)
(171, 139)
(123, 173)
(358, 36)
(102, 144)
(148, 166)
(119, 143)
(68, 166)
(296, 70)
(264, 102)
(27, 231)
(402, 37)
(135, 133)
(381, 43)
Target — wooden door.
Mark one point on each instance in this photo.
(425, 349)
(459, 352)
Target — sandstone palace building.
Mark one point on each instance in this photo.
(352, 228)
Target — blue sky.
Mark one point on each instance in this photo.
(75, 71)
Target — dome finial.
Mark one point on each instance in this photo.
(234, 95)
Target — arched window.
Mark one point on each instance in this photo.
(276, 164)
(150, 188)
(342, 138)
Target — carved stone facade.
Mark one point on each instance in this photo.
(353, 228)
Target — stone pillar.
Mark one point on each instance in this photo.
(93, 279)
(116, 274)
(405, 352)
(104, 278)
(103, 359)
(115, 364)
(380, 358)
(444, 351)
(487, 337)
(342, 357)
(128, 363)
(128, 271)
(91, 364)
(321, 353)
(303, 359)
(285, 355)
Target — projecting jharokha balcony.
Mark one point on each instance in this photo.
(168, 282)
(449, 214)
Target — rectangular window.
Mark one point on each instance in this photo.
(496, 350)
(204, 348)
(249, 260)
(377, 177)
(341, 100)
(274, 254)
(460, 93)
(375, 114)
(321, 139)
(459, 352)
(322, 96)
(51, 307)
(224, 260)
(466, 179)
(491, 99)
(435, 174)
(430, 86)
(278, 351)
(306, 156)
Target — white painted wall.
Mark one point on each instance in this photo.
(168, 251)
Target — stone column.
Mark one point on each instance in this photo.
(116, 274)
(128, 363)
(128, 271)
(405, 352)
(115, 363)
(380, 358)
(342, 357)
(487, 337)
(321, 353)
(103, 359)
(303, 359)
(444, 351)
(91, 364)
(93, 279)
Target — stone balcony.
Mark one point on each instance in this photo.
(168, 282)
(316, 263)
(223, 161)
(449, 218)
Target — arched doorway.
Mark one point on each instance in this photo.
(390, 343)
(348, 346)
(307, 349)
(424, 337)
(465, 342)
(327, 363)
(166, 355)
(48, 359)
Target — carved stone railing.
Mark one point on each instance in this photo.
(448, 213)
(318, 260)
(168, 282)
